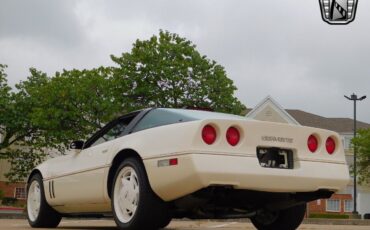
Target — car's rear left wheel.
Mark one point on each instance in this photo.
(39, 213)
(165, 220)
(287, 219)
(134, 204)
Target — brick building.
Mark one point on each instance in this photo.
(16, 190)
(338, 203)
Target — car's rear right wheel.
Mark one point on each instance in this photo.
(134, 204)
(287, 219)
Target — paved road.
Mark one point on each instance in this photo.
(175, 225)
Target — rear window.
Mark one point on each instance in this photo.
(160, 117)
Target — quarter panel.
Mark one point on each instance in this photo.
(84, 187)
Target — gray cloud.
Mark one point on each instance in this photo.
(47, 21)
(278, 48)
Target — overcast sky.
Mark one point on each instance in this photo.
(278, 48)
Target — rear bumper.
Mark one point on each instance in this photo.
(198, 170)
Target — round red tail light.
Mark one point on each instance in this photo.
(330, 145)
(312, 143)
(209, 134)
(233, 136)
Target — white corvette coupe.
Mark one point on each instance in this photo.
(153, 165)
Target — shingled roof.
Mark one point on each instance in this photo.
(340, 125)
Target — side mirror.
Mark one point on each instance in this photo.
(77, 145)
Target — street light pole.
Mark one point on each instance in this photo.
(354, 98)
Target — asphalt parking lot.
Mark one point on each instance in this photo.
(21, 224)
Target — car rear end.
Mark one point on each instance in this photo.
(250, 155)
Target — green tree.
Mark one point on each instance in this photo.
(18, 133)
(72, 104)
(4, 103)
(362, 143)
(14, 115)
(168, 71)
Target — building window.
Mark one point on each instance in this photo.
(20, 193)
(348, 205)
(347, 143)
(333, 205)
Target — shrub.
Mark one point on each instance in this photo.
(9, 201)
(328, 216)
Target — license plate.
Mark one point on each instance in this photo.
(275, 158)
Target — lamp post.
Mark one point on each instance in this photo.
(354, 98)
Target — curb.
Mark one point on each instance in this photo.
(12, 215)
(314, 221)
(5, 208)
(337, 222)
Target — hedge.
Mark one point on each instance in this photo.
(328, 216)
(9, 201)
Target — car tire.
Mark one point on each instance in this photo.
(39, 213)
(135, 206)
(165, 221)
(287, 219)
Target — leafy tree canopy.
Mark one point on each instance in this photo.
(168, 71)
(73, 104)
(18, 142)
(14, 115)
(362, 143)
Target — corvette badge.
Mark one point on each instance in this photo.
(338, 12)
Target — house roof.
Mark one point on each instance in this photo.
(340, 125)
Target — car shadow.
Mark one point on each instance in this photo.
(87, 227)
(97, 228)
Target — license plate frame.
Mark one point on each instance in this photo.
(273, 157)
